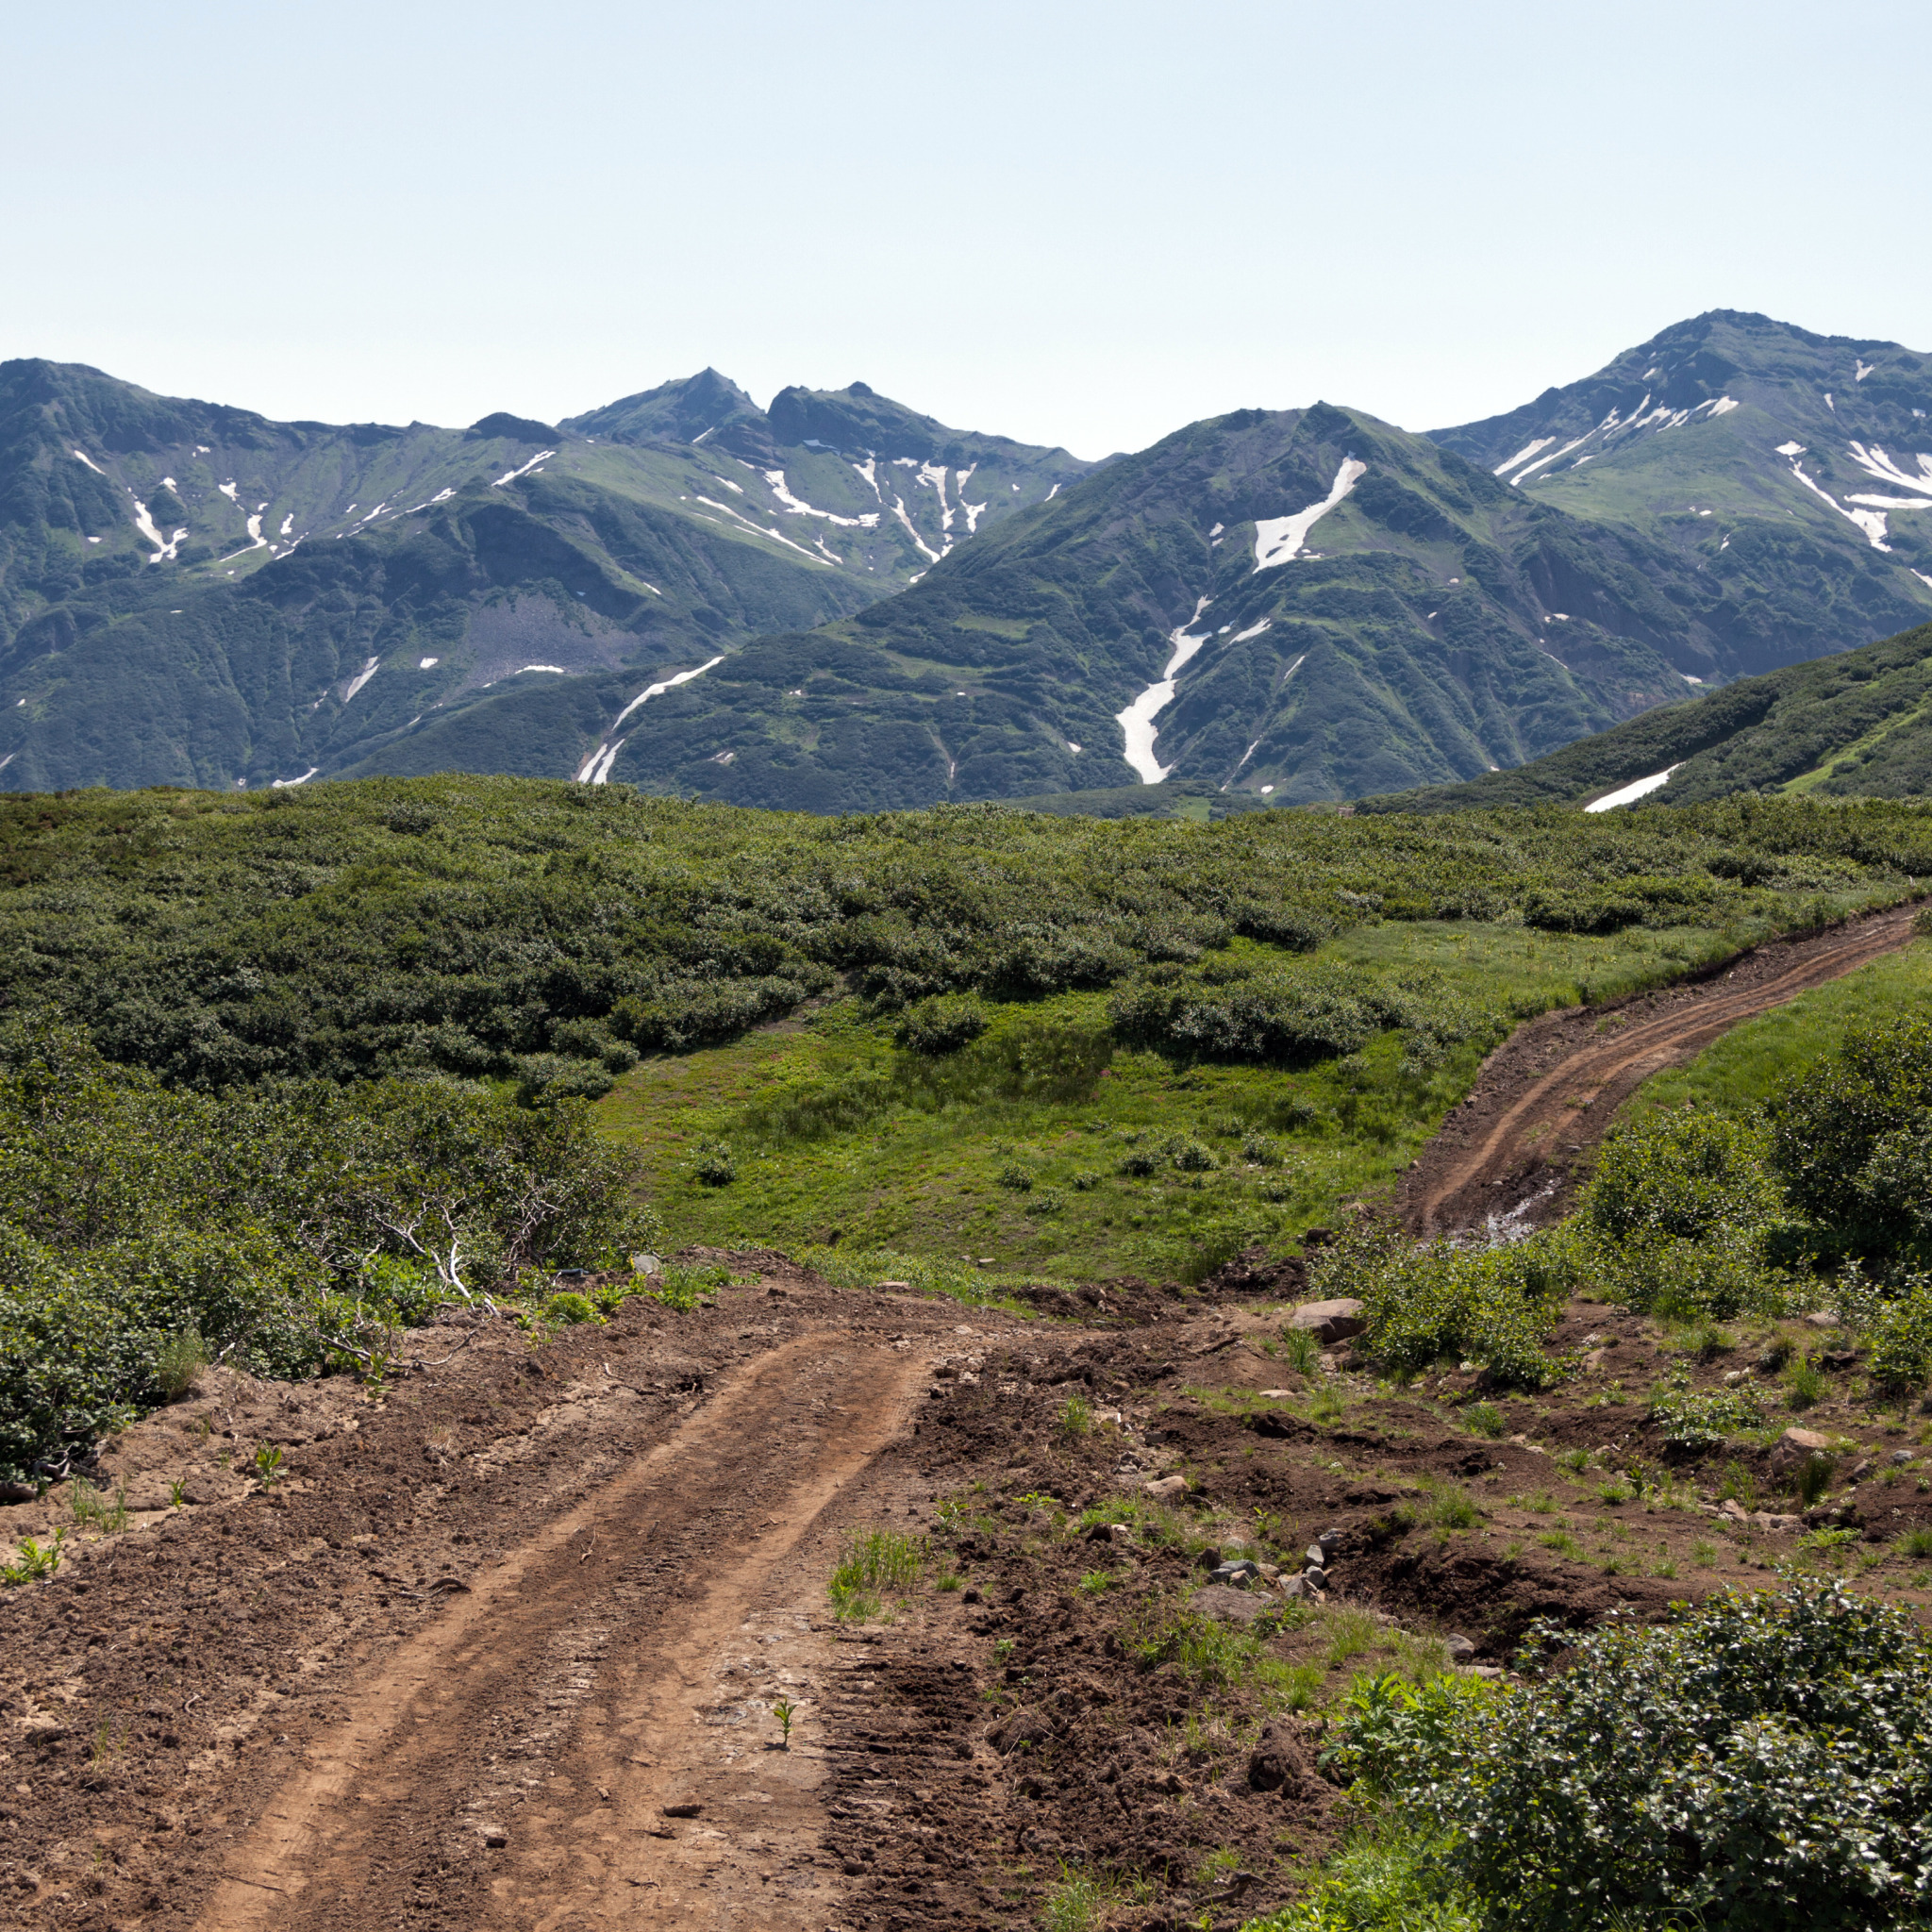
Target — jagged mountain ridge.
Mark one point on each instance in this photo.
(692, 593)
(1335, 601)
(1792, 468)
(194, 594)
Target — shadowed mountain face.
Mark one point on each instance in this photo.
(196, 595)
(1854, 725)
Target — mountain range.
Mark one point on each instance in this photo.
(838, 603)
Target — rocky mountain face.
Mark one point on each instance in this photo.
(1287, 607)
(1858, 723)
(1790, 470)
(196, 595)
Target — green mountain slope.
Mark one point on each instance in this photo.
(195, 594)
(1857, 724)
(1788, 469)
(1340, 607)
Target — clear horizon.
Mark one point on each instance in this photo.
(1085, 226)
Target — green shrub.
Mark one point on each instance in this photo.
(943, 1024)
(179, 1361)
(1765, 1761)
(1483, 1419)
(714, 1166)
(1018, 1179)
(1681, 1175)
(569, 1309)
(1852, 1140)
(1388, 1880)
(1901, 1338)
(1805, 1384)
(1812, 1479)
(1288, 1015)
(1702, 1418)
(1423, 1303)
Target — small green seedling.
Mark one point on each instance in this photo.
(177, 1495)
(34, 1560)
(268, 1464)
(783, 1710)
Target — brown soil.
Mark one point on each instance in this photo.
(1513, 1148)
(502, 1646)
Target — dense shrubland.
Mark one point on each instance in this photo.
(285, 1228)
(1820, 1195)
(322, 1055)
(545, 932)
(1765, 1761)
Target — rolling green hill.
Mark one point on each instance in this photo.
(192, 594)
(1858, 725)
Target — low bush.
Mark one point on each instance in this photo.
(1702, 1418)
(1901, 1336)
(1763, 1762)
(943, 1024)
(1425, 1303)
(284, 1230)
(1852, 1140)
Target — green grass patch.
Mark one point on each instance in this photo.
(1739, 1072)
(1045, 1150)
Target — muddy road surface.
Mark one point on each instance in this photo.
(1512, 1149)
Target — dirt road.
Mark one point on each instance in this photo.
(513, 1763)
(1549, 1094)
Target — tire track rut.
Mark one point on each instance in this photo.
(1547, 1096)
(512, 1763)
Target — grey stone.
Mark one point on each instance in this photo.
(1231, 1606)
(1329, 1322)
(1317, 1555)
(1459, 1648)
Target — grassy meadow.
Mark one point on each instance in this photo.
(836, 1137)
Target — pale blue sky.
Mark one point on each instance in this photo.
(1074, 223)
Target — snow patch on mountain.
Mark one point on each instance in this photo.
(165, 547)
(798, 507)
(1523, 455)
(1630, 793)
(542, 456)
(1136, 721)
(1871, 521)
(1278, 539)
(925, 549)
(81, 456)
(595, 768)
